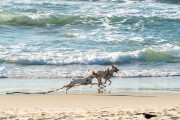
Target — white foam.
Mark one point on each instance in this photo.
(18, 55)
(2, 69)
(60, 73)
(147, 73)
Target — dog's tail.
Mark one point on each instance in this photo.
(63, 87)
(88, 70)
(72, 78)
(56, 89)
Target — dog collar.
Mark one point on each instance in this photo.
(108, 73)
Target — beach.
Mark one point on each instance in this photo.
(45, 43)
(125, 98)
(89, 107)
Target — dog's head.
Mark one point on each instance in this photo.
(115, 69)
(89, 79)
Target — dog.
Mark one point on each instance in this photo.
(81, 81)
(106, 74)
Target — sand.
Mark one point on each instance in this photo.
(89, 107)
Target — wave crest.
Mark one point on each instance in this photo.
(169, 1)
(46, 20)
(95, 58)
(58, 73)
(50, 19)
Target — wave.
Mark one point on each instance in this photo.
(141, 21)
(3, 76)
(58, 73)
(169, 1)
(158, 56)
(50, 19)
(44, 20)
(125, 1)
(96, 58)
(147, 73)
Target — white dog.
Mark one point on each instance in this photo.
(81, 81)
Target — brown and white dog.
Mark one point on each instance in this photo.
(81, 81)
(106, 74)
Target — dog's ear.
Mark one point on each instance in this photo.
(94, 73)
(112, 65)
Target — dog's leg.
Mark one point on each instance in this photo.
(100, 83)
(70, 85)
(109, 81)
(105, 81)
(68, 88)
(92, 84)
(103, 85)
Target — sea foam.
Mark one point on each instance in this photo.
(92, 58)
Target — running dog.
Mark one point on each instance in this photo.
(81, 81)
(106, 74)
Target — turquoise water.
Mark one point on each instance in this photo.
(61, 39)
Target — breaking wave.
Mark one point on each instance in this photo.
(144, 55)
(125, 1)
(61, 20)
(58, 73)
(169, 1)
(44, 20)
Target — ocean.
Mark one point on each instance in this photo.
(58, 39)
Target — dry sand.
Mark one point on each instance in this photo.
(90, 107)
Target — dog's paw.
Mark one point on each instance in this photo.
(101, 87)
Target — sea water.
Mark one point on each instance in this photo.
(58, 39)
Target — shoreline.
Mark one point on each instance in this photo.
(156, 85)
(83, 106)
